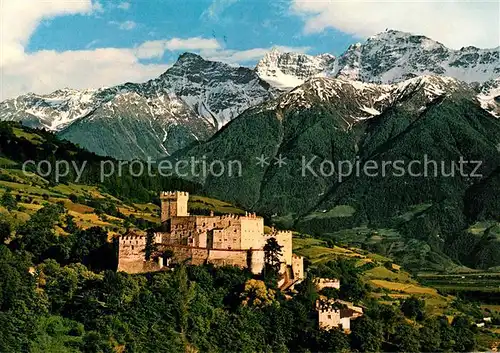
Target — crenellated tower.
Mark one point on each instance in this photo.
(174, 204)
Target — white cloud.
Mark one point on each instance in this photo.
(124, 6)
(454, 23)
(19, 18)
(126, 25)
(216, 8)
(46, 71)
(156, 48)
(97, 7)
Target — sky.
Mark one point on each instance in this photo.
(50, 44)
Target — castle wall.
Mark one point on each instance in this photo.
(327, 283)
(227, 240)
(328, 319)
(183, 231)
(174, 204)
(298, 267)
(285, 240)
(252, 232)
(224, 257)
(196, 256)
(256, 261)
(131, 253)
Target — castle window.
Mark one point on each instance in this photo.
(132, 247)
(329, 316)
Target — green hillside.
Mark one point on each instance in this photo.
(419, 220)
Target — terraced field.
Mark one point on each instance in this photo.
(33, 191)
(390, 283)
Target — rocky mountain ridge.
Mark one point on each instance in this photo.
(196, 97)
(388, 57)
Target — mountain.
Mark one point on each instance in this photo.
(188, 103)
(327, 124)
(393, 56)
(489, 97)
(196, 97)
(388, 57)
(288, 70)
(215, 91)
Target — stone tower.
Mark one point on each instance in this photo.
(173, 204)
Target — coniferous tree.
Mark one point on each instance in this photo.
(272, 254)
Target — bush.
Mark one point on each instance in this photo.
(8, 201)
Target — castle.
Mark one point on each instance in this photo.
(334, 313)
(219, 240)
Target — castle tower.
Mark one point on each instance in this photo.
(173, 204)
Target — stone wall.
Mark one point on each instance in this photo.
(285, 240)
(256, 261)
(327, 283)
(225, 257)
(131, 253)
(298, 267)
(252, 232)
(328, 318)
(174, 204)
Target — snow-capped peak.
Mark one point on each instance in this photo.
(489, 98)
(356, 101)
(288, 70)
(387, 57)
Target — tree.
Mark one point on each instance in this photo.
(464, 336)
(413, 308)
(257, 294)
(151, 247)
(353, 290)
(37, 235)
(430, 335)
(333, 340)
(331, 293)
(167, 255)
(406, 338)
(8, 201)
(272, 254)
(367, 335)
(92, 249)
(307, 292)
(20, 304)
(71, 226)
(182, 299)
(5, 231)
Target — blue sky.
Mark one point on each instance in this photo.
(51, 44)
(239, 25)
